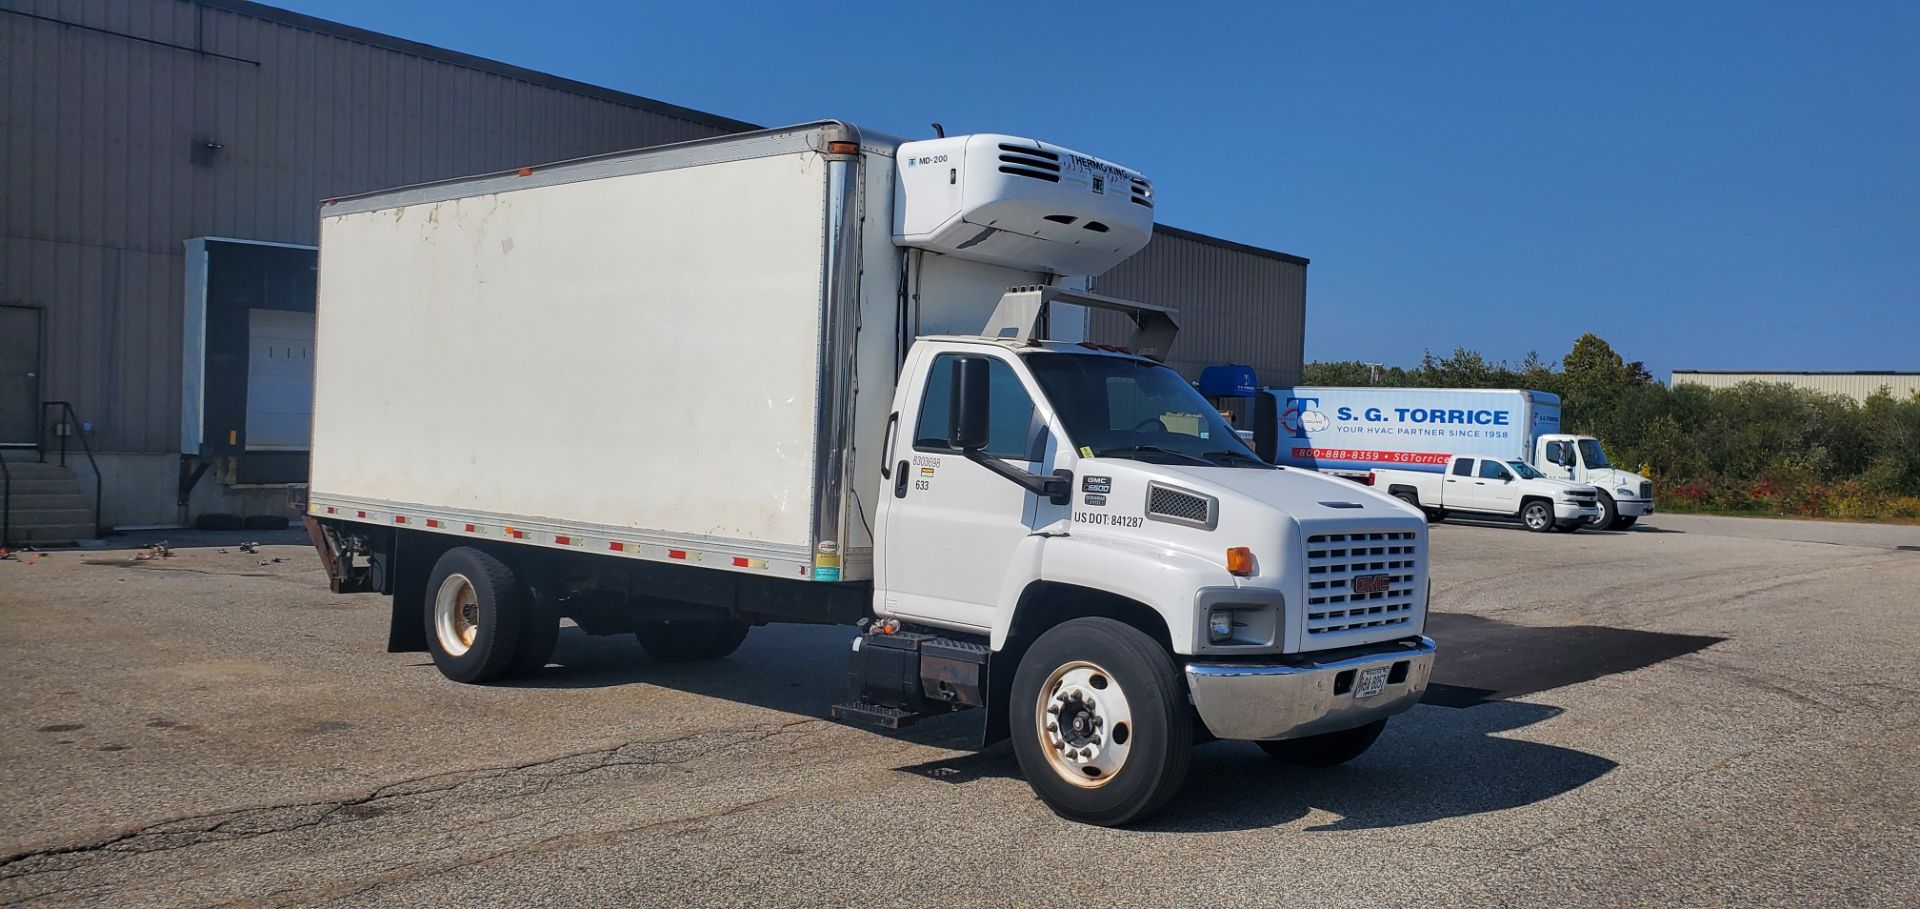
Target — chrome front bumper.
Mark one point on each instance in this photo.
(1633, 508)
(1572, 511)
(1307, 694)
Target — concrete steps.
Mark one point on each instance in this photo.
(49, 505)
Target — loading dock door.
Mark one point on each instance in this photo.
(19, 374)
(279, 380)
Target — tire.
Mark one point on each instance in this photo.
(475, 614)
(690, 641)
(1433, 514)
(1130, 721)
(1569, 526)
(1537, 515)
(1609, 518)
(1326, 750)
(1625, 522)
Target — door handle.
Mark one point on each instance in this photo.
(900, 481)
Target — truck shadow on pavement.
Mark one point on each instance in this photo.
(1446, 758)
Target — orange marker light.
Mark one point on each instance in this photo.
(1240, 561)
(843, 148)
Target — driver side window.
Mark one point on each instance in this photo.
(1012, 430)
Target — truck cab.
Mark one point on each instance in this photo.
(1493, 487)
(1624, 496)
(1030, 481)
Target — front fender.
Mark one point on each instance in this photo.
(1164, 578)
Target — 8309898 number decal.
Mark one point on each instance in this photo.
(1109, 520)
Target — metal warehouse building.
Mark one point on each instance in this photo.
(163, 164)
(1856, 385)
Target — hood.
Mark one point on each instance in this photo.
(1560, 484)
(1614, 477)
(1303, 493)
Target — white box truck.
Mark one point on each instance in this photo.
(805, 375)
(1353, 431)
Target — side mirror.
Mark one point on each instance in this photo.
(967, 408)
(1266, 427)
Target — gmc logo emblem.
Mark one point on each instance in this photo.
(1372, 583)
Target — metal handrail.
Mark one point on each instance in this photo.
(72, 422)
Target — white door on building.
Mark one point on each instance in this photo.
(279, 380)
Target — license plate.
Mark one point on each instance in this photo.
(1371, 682)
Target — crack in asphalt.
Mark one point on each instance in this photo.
(562, 841)
(252, 822)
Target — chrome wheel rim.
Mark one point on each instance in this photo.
(1536, 516)
(456, 614)
(1084, 724)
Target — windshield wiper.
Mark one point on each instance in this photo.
(1241, 455)
(1121, 452)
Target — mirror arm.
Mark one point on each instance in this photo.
(1058, 488)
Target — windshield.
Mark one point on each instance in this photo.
(1120, 407)
(1590, 452)
(1525, 470)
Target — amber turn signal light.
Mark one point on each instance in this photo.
(1240, 561)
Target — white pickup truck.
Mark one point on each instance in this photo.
(1493, 487)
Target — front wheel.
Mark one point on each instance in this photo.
(1609, 518)
(1625, 522)
(1328, 749)
(1100, 722)
(1538, 516)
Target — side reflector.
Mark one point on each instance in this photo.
(1240, 561)
(843, 148)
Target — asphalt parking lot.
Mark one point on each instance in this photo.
(1700, 711)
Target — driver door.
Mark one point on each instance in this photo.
(949, 526)
(1498, 490)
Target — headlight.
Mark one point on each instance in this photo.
(1623, 492)
(1220, 625)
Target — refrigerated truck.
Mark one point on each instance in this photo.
(1351, 431)
(805, 375)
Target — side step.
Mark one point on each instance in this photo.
(861, 714)
(902, 677)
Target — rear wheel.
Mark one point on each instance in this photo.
(1100, 721)
(1328, 749)
(1433, 514)
(690, 641)
(475, 614)
(1537, 515)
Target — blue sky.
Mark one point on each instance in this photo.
(1708, 186)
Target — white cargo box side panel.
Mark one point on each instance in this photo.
(629, 352)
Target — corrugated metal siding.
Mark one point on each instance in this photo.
(1236, 305)
(103, 175)
(1856, 385)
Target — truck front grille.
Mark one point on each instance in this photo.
(1335, 608)
(1646, 490)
